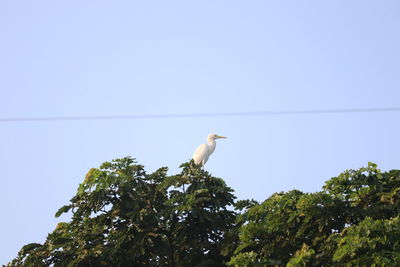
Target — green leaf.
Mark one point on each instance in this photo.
(62, 210)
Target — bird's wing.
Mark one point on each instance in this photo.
(200, 154)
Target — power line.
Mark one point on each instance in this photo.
(194, 115)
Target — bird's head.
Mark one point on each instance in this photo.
(214, 136)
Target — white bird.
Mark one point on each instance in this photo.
(204, 151)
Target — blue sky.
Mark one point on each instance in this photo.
(93, 58)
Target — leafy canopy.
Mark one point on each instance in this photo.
(123, 216)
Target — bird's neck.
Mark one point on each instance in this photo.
(211, 145)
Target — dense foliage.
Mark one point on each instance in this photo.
(122, 216)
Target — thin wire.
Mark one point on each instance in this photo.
(197, 115)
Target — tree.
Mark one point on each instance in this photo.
(354, 221)
(122, 216)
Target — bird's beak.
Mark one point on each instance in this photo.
(218, 136)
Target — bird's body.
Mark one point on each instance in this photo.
(204, 151)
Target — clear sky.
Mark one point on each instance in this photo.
(90, 58)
